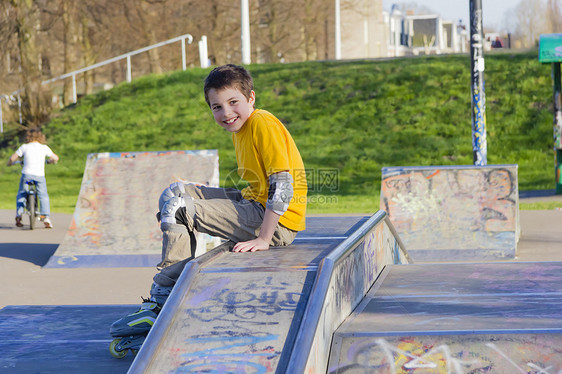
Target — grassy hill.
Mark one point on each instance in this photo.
(354, 117)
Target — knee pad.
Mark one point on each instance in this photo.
(174, 189)
(170, 208)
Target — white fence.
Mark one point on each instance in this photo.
(203, 59)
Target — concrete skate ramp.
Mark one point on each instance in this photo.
(272, 311)
(114, 222)
(456, 318)
(454, 213)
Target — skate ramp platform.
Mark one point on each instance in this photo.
(271, 311)
(456, 318)
(454, 213)
(66, 339)
(114, 222)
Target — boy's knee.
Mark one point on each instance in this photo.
(173, 190)
(176, 207)
(178, 210)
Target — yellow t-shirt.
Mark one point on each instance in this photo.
(264, 147)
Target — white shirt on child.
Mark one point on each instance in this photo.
(34, 158)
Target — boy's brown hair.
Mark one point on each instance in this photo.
(229, 76)
(35, 135)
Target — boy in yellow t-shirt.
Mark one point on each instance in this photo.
(270, 211)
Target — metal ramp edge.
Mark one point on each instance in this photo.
(344, 278)
(339, 278)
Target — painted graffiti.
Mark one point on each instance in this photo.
(230, 326)
(224, 356)
(351, 279)
(453, 354)
(116, 207)
(245, 305)
(357, 272)
(479, 142)
(461, 208)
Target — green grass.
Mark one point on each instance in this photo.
(355, 117)
(550, 205)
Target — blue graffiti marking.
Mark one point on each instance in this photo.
(223, 367)
(215, 359)
(236, 341)
(479, 128)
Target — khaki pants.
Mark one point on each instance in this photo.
(220, 212)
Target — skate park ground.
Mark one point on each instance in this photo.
(25, 282)
(24, 252)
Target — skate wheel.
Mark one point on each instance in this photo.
(114, 352)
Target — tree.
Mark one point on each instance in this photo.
(554, 13)
(66, 35)
(35, 103)
(526, 21)
(316, 21)
(220, 22)
(142, 16)
(8, 45)
(70, 44)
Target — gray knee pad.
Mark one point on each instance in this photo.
(169, 209)
(159, 294)
(172, 199)
(174, 189)
(168, 212)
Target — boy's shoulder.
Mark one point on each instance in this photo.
(261, 116)
(34, 145)
(262, 113)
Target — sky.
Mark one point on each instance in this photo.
(453, 10)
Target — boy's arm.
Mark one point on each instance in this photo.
(12, 159)
(280, 195)
(261, 243)
(54, 158)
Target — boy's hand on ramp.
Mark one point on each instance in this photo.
(254, 245)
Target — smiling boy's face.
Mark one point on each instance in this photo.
(230, 107)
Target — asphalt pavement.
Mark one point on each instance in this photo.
(23, 253)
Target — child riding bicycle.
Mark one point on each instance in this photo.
(34, 152)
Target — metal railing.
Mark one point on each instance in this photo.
(203, 58)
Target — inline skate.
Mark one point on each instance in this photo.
(131, 331)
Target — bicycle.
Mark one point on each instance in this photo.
(31, 206)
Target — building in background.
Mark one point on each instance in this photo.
(363, 30)
(367, 31)
(410, 34)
